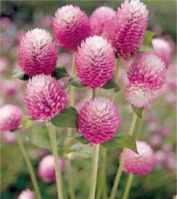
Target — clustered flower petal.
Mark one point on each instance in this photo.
(140, 163)
(70, 26)
(127, 30)
(26, 194)
(45, 97)
(95, 62)
(100, 18)
(98, 120)
(146, 75)
(163, 49)
(37, 53)
(10, 117)
(46, 168)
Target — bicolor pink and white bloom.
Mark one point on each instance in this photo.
(45, 97)
(11, 117)
(37, 53)
(70, 26)
(26, 194)
(95, 61)
(139, 95)
(127, 31)
(100, 18)
(98, 120)
(46, 169)
(141, 162)
(148, 69)
(163, 49)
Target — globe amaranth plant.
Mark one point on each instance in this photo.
(95, 43)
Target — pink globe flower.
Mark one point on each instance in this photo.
(98, 120)
(37, 53)
(147, 68)
(7, 137)
(127, 31)
(11, 117)
(139, 95)
(163, 49)
(26, 194)
(140, 163)
(46, 169)
(70, 26)
(100, 18)
(95, 62)
(45, 97)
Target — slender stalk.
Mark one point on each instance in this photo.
(94, 171)
(133, 131)
(70, 179)
(53, 141)
(128, 186)
(29, 165)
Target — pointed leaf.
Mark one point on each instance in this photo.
(66, 119)
(112, 85)
(138, 111)
(148, 38)
(121, 141)
(59, 73)
(20, 74)
(76, 83)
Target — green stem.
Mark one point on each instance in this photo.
(133, 131)
(70, 180)
(29, 165)
(94, 171)
(128, 186)
(53, 141)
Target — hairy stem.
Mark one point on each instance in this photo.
(94, 171)
(29, 166)
(53, 141)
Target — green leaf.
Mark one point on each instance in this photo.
(59, 73)
(76, 83)
(121, 141)
(66, 119)
(112, 85)
(38, 136)
(26, 122)
(81, 139)
(148, 38)
(138, 111)
(20, 75)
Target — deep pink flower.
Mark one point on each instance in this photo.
(100, 18)
(163, 49)
(147, 68)
(98, 120)
(46, 168)
(37, 53)
(10, 117)
(95, 62)
(127, 31)
(26, 194)
(70, 26)
(140, 163)
(45, 97)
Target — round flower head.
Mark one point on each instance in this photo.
(140, 163)
(147, 68)
(98, 120)
(10, 117)
(46, 168)
(70, 26)
(163, 49)
(129, 26)
(139, 95)
(95, 62)
(45, 97)
(26, 194)
(100, 18)
(37, 53)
